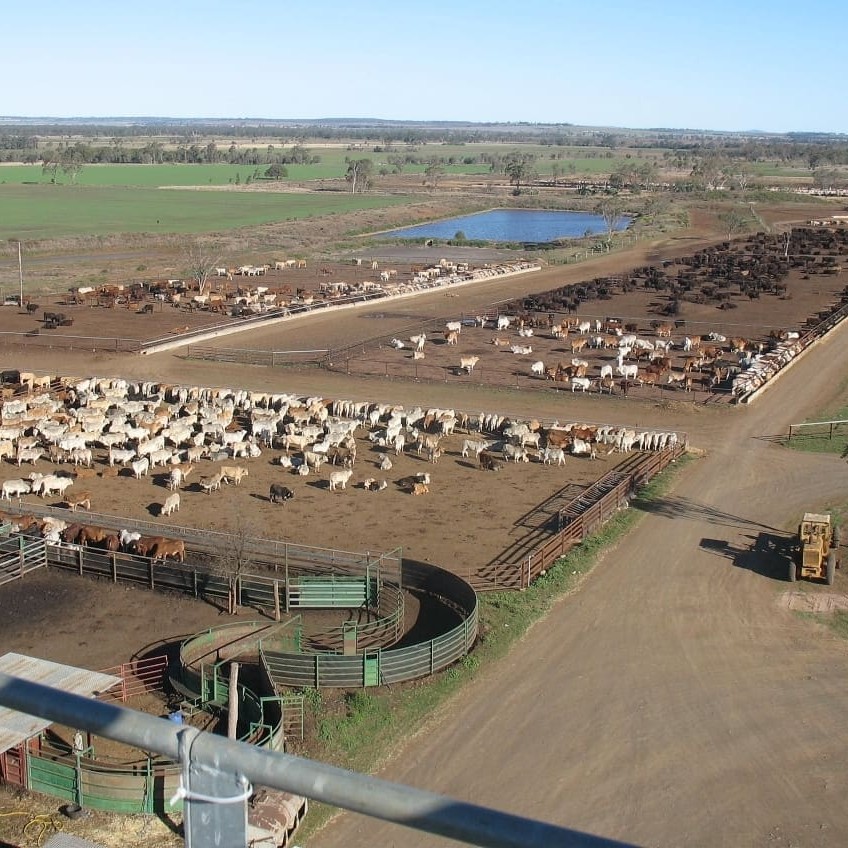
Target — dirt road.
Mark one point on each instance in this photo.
(671, 701)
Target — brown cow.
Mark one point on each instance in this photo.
(168, 549)
(556, 437)
(71, 533)
(90, 535)
(144, 545)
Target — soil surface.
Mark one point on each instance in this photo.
(675, 699)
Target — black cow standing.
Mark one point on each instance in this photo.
(280, 493)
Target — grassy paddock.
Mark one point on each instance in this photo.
(817, 440)
(47, 211)
(369, 724)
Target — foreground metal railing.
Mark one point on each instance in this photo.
(218, 773)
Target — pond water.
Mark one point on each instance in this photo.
(520, 225)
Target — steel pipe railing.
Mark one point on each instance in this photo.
(207, 753)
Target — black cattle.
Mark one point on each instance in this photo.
(280, 493)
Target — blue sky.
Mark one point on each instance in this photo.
(748, 64)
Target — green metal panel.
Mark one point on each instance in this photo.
(330, 592)
(372, 669)
(52, 778)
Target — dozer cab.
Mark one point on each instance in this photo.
(818, 544)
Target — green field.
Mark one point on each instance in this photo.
(45, 211)
(572, 160)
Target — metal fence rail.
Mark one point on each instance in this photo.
(228, 765)
(244, 356)
(35, 338)
(827, 427)
(19, 555)
(377, 666)
(286, 556)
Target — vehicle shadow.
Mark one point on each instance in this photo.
(681, 507)
(767, 554)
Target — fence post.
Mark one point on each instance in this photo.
(79, 559)
(114, 568)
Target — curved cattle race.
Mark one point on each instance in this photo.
(673, 699)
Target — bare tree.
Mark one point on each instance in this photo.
(434, 171)
(611, 210)
(734, 221)
(742, 176)
(200, 262)
(235, 560)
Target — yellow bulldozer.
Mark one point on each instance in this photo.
(818, 545)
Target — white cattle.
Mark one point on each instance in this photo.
(538, 368)
(606, 371)
(29, 455)
(515, 453)
(525, 332)
(122, 457)
(581, 383)
(175, 479)
(521, 350)
(474, 447)
(551, 455)
(160, 457)
(140, 467)
(81, 456)
(629, 372)
(52, 484)
(503, 322)
(212, 484)
(171, 505)
(128, 538)
(579, 447)
(453, 327)
(15, 487)
(338, 479)
(397, 344)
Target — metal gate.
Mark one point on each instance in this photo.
(13, 766)
(20, 555)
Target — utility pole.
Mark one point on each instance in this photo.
(21, 275)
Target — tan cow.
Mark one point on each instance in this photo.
(233, 473)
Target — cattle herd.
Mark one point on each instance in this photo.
(258, 290)
(203, 440)
(612, 354)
